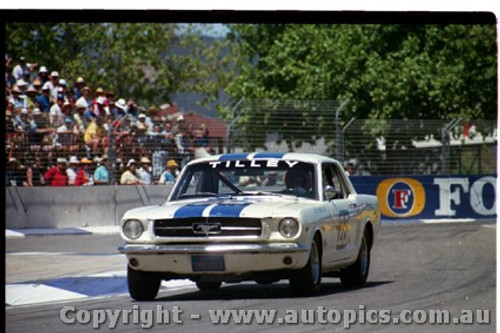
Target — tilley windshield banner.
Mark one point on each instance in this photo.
(432, 197)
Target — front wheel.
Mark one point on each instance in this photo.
(142, 287)
(356, 274)
(307, 281)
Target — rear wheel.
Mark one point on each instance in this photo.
(208, 286)
(307, 280)
(356, 275)
(142, 287)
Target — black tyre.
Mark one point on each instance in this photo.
(142, 287)
(208, 286)
(356, 274)
(307, 280)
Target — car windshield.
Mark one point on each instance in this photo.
(247, 177)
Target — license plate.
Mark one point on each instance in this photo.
(208, 263)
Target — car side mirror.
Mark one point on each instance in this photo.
(331, 193)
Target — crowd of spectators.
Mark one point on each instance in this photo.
(60, 131)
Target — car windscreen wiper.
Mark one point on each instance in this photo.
(198, 194)
(260, 193)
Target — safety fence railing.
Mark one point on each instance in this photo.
(372, 147)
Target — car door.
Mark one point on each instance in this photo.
(342, 239)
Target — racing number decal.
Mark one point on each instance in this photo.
(343, 230)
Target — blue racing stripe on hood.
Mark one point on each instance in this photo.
(235, 156)
(229, 209)
(191, 210)
(269, 155)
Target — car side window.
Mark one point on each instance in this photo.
(331, 178)
(341, 176)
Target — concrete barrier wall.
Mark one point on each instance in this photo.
(67, 207)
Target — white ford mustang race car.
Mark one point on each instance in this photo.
(261, 216)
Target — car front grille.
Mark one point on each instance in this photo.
(203, 227)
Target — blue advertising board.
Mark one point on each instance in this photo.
(431, 197)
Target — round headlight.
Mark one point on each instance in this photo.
(288, 227)
(133, 229)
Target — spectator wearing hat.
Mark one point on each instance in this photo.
(15, 173)
(120, 108)
(37, 84)
(144, 171)
(99, 92)
(63, 87)
(66, 138)
(95, 135)
(53, 83)
(56, 176)
(39, 131)
(32, 98)
(79, 117)
(110, 95)
(44, 98)
(43, 75)
(21, 84)
(144, 123)
(86, 95)
(72, 170)
(170, 174)
(84, 176)
(77, 88)
(98, 108)
(67, 108)
(129, 177)
(101, 175)
(23, 124)
(20, 68)
(18, 100)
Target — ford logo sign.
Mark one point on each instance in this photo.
(207, 228)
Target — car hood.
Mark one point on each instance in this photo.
(256, 207)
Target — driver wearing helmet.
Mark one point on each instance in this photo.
(298, 182)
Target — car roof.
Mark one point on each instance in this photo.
(303, 157)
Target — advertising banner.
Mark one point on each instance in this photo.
(432, 197)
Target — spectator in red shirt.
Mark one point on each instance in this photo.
(56, 176)
(84, 176)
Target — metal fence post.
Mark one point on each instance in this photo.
(445, 150)
(229, 129)
(339, 133)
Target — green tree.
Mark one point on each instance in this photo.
(384, 71)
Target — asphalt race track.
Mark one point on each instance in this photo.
(449, 266)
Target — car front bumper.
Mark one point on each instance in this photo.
(237, 258)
